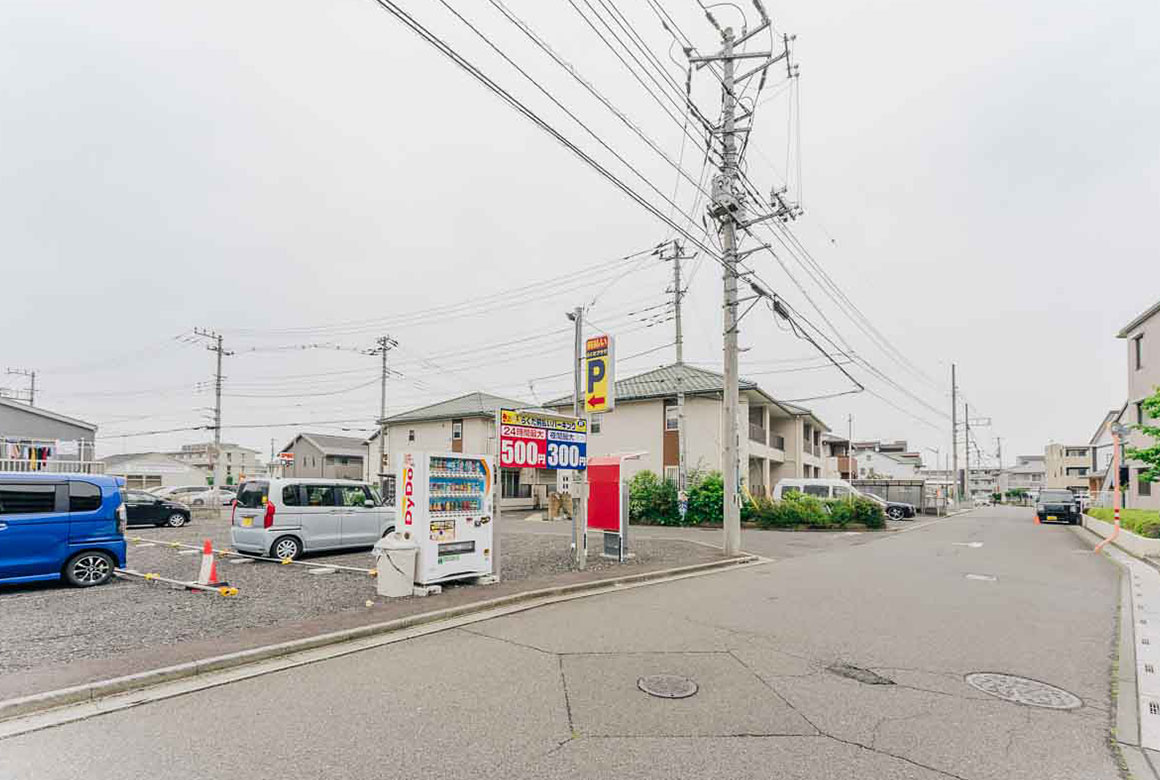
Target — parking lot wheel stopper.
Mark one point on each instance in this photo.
(152, 576)
(374, 572)
(228, 591)
(370, 603)
(286, 561)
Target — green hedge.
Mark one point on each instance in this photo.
(1145, 522)
(653, 500)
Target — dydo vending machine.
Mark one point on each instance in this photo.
(445, 503)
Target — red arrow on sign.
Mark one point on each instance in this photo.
(596, 400)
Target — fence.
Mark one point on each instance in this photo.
(907, 491)
(53, 466)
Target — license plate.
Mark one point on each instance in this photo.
(1052, 517)
(247, 522)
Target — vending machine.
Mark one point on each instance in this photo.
(445, 504)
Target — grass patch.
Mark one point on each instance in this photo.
(1145, 522)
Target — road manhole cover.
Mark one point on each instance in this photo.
(667, 686)
(861, 675)
(1023, 690)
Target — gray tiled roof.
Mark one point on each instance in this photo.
(41, 412)
(470, 405)
(331, 444)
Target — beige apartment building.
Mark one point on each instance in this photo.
(778, 439)
(1068, 466)
(1142, 338)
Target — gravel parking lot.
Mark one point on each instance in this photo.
(45, 626)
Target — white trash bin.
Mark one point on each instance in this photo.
(396, 565)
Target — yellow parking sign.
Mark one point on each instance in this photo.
(599, 382)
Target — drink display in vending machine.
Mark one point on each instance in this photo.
(445, 503)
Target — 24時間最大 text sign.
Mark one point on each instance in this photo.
(542, 441)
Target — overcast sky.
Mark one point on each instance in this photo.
(981, 180)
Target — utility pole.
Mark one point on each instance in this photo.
(383, 345)
(579, 534)
(999, 475)
(967, 447)
(678, 293)
(955, 434)
(728, 210)
(31, 382)
(853, 470)
(215, 345)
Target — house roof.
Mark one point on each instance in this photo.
(1111, 416)
(1140, 320)
(332, 445)
(470, 405)
(125, 457)
(47, 414)
(665, 381)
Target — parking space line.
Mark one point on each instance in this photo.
(221, 590)
(190, 549)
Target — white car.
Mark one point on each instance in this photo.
(179, 492)
(205, 497)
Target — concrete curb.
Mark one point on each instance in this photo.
(90, 692)
(1125, 736)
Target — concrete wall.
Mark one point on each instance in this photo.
(145, 470)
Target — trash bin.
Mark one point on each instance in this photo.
(396, 565)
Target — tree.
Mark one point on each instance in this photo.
(1150, 456)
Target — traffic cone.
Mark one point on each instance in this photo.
(208, 575)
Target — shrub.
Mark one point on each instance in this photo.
(706, 498)
(652, 500)
(1145, 522)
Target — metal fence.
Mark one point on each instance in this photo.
(52, 466)
(907, 491)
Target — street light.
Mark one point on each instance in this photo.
(937, 452)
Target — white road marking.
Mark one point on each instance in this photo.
(982, 577)
(968, 544)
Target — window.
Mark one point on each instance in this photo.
(319, 495)
(26, 499)
(594, 423)
(83, 497)
(411, 435)
(671, 421)
(790, 489)
(353, 495)
(1076, 471)
(821, 491)
(1079, 452)
(1138, 351)
(291, 496)
(842, 492)
(456, 430)
(512, 487)
(672, 474)
(252, 495)
(1143, 487)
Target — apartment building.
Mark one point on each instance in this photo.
(1069, 466)
(238, 462)
(1029, 473)
(778, 439)
(837, 460)
(1142, 339)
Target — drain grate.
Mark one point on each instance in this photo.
(667, 686)
(1153, 708)
(1024, 690)
(861, 675)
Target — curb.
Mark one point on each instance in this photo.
(90, 692)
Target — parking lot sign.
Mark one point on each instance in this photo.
(599, 381)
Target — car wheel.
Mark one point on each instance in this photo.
(896, 513)
(390, 530)
(286, 547)
(87, 569)
(176, 520)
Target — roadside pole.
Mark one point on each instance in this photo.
(216, 451)
(579, 537)
(967, 451)
(954, 434)
(731, 402)
(497, 497)
(1117, 430)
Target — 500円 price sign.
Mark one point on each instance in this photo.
(542, 441)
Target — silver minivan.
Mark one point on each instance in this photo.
(285, 517)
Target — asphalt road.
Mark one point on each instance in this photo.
(552, 693)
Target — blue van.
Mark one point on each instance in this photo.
(61, 526)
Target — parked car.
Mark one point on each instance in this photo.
(61, 526)
(285, 517)
(839, 488)
(1058, 506)
(180, 492)
(147, 509)
(205, 497)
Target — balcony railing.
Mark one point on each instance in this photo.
(757, 433)
(777, 442)
(53, 466)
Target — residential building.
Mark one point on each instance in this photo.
(238, 463)
(985, 481)
(778, 439)
(873, 464)
(145, 470)
(325, 455)
(35, 439)
(1029, 473)
(462, 424)
(1069, 466)
(838, 463)
(1142, 338)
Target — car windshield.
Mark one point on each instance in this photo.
(1056, 495)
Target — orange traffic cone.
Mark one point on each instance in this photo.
(208, 574)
